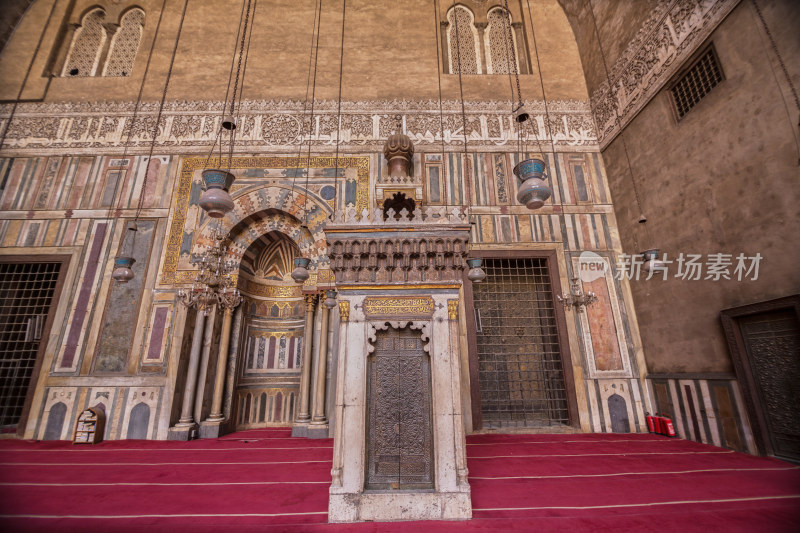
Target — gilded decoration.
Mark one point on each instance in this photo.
(270, 291)
(179, 233)
(452, 309)
(344, 310)
(325, 276)
(276, 334)
(311, 302)
(398, 306)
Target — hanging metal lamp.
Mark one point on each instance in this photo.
(215, 200)
(651, 261)
(330, 298)
(533, 190)
(521, 114)
(300, 272)
(475, 274)
(228, 123)
(123, 263)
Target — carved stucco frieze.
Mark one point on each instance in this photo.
(666, 40)
(191, 127)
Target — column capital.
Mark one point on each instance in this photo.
(111, 27)
(311, 301)
(480, 26)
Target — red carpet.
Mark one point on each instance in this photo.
(266, 480)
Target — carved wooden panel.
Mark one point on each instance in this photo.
(399, 431)
(772, 343)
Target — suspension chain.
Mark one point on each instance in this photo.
(513, 52)
(160, 113)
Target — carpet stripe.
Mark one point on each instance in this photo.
(133, 484)
(182, 450)
(638, 473)
(648, 441)
(595, 454)
(159, 464)
(241, 515)
(649, 504)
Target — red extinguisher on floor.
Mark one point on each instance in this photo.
(651, 425)
(657, 425)
(669, 429)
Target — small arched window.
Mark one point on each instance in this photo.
(83, 56)
(501, 55)
(462, 40)
(125, 44)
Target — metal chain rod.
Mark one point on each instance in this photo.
(339, 104)
(227, 93)
(616, 114)
(160, 112)
(311, 119)
(467, 176)
(314, 30)
(510, 45)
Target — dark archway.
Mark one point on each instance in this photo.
(398, 202)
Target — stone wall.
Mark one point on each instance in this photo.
(728, 184)
(279, 53)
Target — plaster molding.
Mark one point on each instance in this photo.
(382, 325)
(666, 40)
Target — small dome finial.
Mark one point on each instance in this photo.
(398, 151)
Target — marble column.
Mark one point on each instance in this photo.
(208, 340)
(233, 364)
(300, 426)
(482, 60)
(186, 425)
(212, 427)
(111, 31)
(318, 427)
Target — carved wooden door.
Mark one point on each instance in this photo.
(399, 433)
(772, 343)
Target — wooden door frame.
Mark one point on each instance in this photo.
(64, 260)
(561, 328)
(741, 363)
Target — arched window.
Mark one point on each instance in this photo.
(463, 46)
(125, 44)
(87, 43)
(501, 54)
